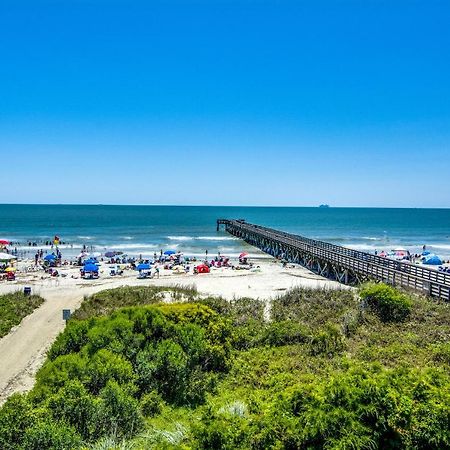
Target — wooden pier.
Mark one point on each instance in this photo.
(339, 263)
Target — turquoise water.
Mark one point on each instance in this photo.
(192, 229)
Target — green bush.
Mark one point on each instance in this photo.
(14, 307)
(71, 341)
(285, 332)
(16, 416)
(119, 412)
(151, 404)
(50, 435)
(327, 341)
(388, 303)
(74, 405)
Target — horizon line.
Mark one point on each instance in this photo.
(224, 206)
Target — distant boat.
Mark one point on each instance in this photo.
(324, 206)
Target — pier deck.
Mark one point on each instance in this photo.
(339, 263)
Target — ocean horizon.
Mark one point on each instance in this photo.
(146, 229)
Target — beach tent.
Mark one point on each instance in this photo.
(432, 259)
(143, 266)
(90, 261)
(90, 268)
(169, 252)
(50, 257)
(202, 268)
(6, 256)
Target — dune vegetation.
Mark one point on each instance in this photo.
(14, 307)
(144, 368)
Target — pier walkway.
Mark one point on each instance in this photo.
(340, 263)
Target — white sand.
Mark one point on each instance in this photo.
(23, 350)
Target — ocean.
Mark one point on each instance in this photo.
(143, 230)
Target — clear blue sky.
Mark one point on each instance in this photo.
(225, 102)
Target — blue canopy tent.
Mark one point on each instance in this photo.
(50, 257)
(91, 261)
(143, 266)
(169, 252)
(90, 268)
(432, 259)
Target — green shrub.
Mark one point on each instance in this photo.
(105, 366)
(72, 340)
(285, 332)
(119, 412)
(151, 404)
(327, 341)
(388, 303)
(16, 416)
(14, 307)
(441, 353)
(50, 435)
(74, 405)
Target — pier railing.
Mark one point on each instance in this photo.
(343, 264)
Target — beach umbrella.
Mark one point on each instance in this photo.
(10, 269)
(243, 255)
(110, 254)
(50, 257)
(4, 242)
(6, 256)
(143, 266)
(169, 252)
(90, 268)
(432, 260)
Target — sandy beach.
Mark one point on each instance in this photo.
(23, 350)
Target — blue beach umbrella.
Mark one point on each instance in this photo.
(143, 266)
(90, 268)
(170, 252)
(432, 260)
(49, 257)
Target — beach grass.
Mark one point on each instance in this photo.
(14, 307)
(104, 302)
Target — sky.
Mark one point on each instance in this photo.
(292, 103)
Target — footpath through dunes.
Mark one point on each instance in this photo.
(23, 350)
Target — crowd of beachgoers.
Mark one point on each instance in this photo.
(51, 261)
(47, 257)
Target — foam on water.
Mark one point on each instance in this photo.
(192, 230)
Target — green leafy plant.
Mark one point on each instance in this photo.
(387, 302)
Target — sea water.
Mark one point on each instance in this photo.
(145, 230)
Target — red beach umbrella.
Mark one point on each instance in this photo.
(243, 255)
(4, 242)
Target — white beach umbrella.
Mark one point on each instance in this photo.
(6, 256)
